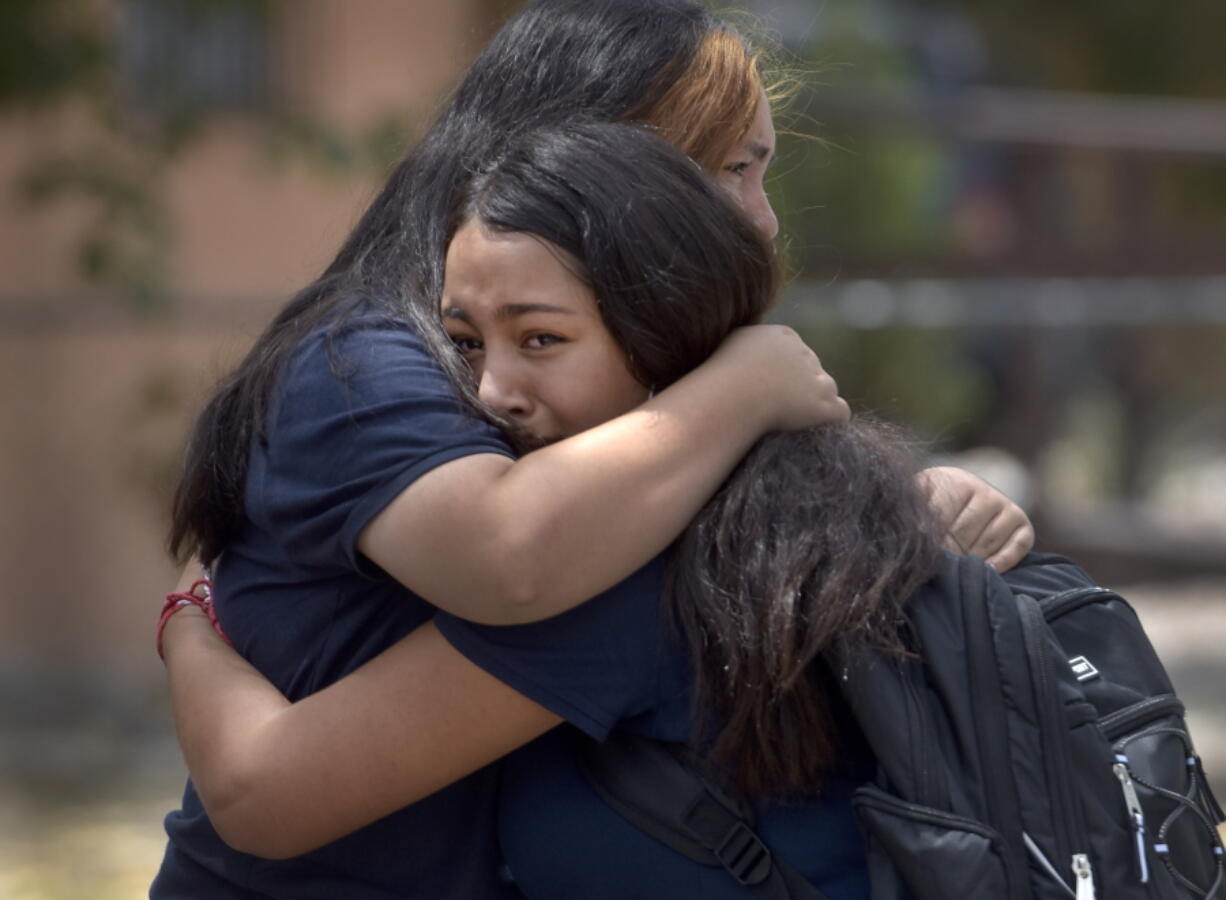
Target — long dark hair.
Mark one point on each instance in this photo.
(605, 59)
(818, 538)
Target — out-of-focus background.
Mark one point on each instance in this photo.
(1010, 237)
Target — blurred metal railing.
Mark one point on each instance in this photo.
(1045, 302)
(1160, 125)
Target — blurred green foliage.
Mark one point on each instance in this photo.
(907, 375)
(1113, 46)
(48, 48)
(67, 58)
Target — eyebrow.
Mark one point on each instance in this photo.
(760, 151)
(508, 311)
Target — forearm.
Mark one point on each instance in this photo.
(594, 508)
(223, 712)
(566, 522)
(280, 779)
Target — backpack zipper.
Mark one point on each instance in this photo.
(1120, 722)
(1135, 812)
(1118, 727)
(1084, 876)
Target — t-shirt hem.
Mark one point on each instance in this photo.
(376, 500)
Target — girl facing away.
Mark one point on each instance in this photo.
(339, 481)
(587, 267)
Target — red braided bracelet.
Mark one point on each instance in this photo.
(200, 594)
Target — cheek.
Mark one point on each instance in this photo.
(625, 392)
(731, 186)
(604, 390)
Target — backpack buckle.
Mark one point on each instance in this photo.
(744, 855)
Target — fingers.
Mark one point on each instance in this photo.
(971, 524)
(1015, 546)
(795, 382)
(835, 410)
(1003, 540)
(981, 520)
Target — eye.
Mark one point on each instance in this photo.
(466, 345)
(739, 168)
(543, 340)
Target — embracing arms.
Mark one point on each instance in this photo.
(281, 779)
(497, 541)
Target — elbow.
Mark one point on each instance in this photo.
(516, 579)
(257, 835)
(264, 848)
(250, 821)
(521, 599)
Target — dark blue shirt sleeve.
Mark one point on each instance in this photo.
(595, 665)
(361, 414)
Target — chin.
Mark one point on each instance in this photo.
(525, 442)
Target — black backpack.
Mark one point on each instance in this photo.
(1033, 750)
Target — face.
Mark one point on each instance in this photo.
(531, 331)
(743, 173)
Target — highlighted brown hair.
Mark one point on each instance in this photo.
(709, 106)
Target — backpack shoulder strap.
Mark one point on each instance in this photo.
(648, 784)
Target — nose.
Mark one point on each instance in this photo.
(502, 392)
(762, 214)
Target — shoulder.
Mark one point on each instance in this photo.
(361, 412)
(368, 363)
(366, 338)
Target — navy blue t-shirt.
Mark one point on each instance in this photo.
(359, 416)
(615, 663)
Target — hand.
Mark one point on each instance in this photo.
(978, 518)
(789, 385)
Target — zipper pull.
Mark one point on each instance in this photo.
(1135, 812)
(1084, 876)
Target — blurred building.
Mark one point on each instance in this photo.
(97, 393)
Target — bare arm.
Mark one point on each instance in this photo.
(426, 715)
(502, 542)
